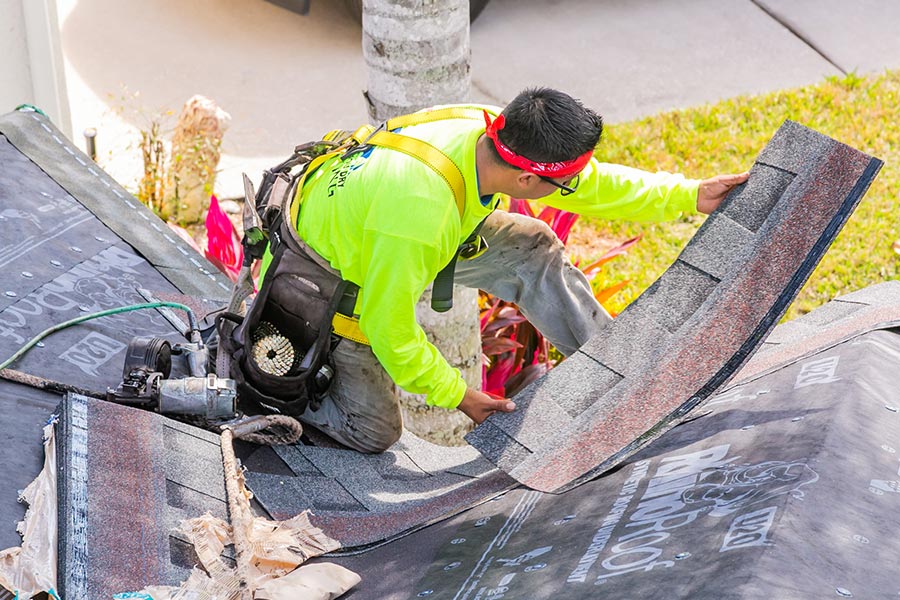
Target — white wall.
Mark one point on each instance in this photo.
(31, 67)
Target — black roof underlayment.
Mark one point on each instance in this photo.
(72, 242)
(82, 244)
(689, 332)
(784, 485)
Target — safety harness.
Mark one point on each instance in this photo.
(279, 352)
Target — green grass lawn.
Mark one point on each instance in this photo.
(726, 138)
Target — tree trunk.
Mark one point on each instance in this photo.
(417, 54)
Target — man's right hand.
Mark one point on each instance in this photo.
(478, 406)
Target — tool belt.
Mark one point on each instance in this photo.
(280, 351)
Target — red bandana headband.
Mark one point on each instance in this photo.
(553, 170)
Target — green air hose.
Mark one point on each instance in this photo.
(96, 315)
(30, 108)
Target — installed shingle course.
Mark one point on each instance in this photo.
(498, 446)
(293, 495)
(118, 478)
(296, 461)
(527, 425)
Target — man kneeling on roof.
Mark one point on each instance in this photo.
(389, 220)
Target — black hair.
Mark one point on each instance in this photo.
(546, 125)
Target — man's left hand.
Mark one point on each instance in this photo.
(712, 191)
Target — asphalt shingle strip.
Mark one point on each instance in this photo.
(809, 185)
(119, 477)
(875, 307)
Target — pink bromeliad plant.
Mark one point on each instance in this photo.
(514, 353)
(223, 241)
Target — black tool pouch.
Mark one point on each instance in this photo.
(286, 337)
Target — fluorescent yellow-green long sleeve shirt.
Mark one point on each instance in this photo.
(389, 223)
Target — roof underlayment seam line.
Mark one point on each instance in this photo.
(533, 498)
(799, 36)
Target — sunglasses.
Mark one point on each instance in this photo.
(566, 188)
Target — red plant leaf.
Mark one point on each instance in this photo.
(507, 311)
(622, 248)
(563, 224)
(520, 380)
(493, 346)
(607, 293)
(498, 324)
(496, 376)
(520, 207)
(548, 215)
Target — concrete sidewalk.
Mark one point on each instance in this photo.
(286, 78)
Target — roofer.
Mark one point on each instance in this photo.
(386, 220)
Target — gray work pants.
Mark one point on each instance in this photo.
(526, 264)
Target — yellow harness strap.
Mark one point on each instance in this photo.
(348, 327)
(438, 114)
(431, 156)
